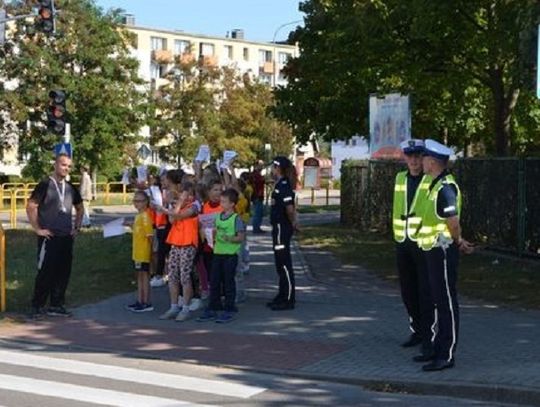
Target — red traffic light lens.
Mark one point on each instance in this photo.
(58, 111)
(45, 13)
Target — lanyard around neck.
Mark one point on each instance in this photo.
(61, 193)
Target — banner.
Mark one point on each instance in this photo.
(389, 124)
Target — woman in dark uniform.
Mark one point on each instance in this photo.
(284, 223)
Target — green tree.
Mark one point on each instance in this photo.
(468, 65)
(201, 104)
(89, 58)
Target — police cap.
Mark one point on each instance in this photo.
(437, 150)
(412, 146)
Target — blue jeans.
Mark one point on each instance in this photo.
(257, 214)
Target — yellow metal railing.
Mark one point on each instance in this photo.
(2, 269)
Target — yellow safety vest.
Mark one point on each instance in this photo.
(434, 230)
(406, 221)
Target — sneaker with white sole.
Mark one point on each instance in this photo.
(143, 308)
(169, 314)
(59, 312)
(195, 304)
(157, 281)
(130, 307)
(183, 315)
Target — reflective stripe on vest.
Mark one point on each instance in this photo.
(403, 224)
(433, 226)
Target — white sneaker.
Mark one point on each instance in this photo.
(157, 281)
(195, 304)
(170, 314)
(183, 315)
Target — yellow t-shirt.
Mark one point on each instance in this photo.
(242, 208)
(142, 232)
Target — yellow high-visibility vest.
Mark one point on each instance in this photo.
(406, 221)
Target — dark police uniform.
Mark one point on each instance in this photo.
(410, 193)
(442, 256)
(282, 231)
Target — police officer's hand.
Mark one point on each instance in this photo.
(465, 246)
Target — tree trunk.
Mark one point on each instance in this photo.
(503, 107)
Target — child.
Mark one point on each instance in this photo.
(229, 235)
(142, 251)
(184, 239)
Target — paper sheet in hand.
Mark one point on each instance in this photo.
(209, 234)
(204, 153)
(228, 157)
(155, 195)
(142, 173)
(125, 177)
(114, 228)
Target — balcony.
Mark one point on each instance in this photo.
(267, 67)
(208, 60)
(186, 58)
(162, 56)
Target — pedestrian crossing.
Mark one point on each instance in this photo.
(39, 384)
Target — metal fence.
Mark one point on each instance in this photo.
(501, 200)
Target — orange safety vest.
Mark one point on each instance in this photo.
(185, 232)
(208, 209)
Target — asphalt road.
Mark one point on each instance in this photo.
(32, 375)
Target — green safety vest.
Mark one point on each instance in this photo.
(434, 230)
(226, 228)
(406, 221)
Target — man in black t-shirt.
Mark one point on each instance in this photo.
(49, 212)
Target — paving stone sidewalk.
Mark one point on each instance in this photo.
(347, 327)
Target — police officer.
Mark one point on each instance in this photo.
(410, 193)
(284, 223)
(440, 238)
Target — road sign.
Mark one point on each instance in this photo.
(144, 152)
(63, 148)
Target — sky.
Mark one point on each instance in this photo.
(259, 18)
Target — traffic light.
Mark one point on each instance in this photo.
(46, 13)
(56, 115)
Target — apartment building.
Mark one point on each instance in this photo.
(157, 49)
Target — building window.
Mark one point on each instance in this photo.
(265, 56)
(265, 78)
(158, 43)
(246, 54)
(228, 51)
(181, 47)
(157, 71)
(207, 49)
(283, 57)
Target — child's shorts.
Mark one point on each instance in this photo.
(141, 266)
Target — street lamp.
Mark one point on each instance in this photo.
(274, 42)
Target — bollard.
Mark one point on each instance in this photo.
(107, 190)
(327, 196)
(13, 209)
(2, 269)
(312, 196)
(124, 193)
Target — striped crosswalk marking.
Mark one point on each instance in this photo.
(171, 381)
(86, 394)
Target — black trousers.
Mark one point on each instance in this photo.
(442, 267)
(163, 249)
(54, 269)
(281, 240)
(222, 280)
(415, 289)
